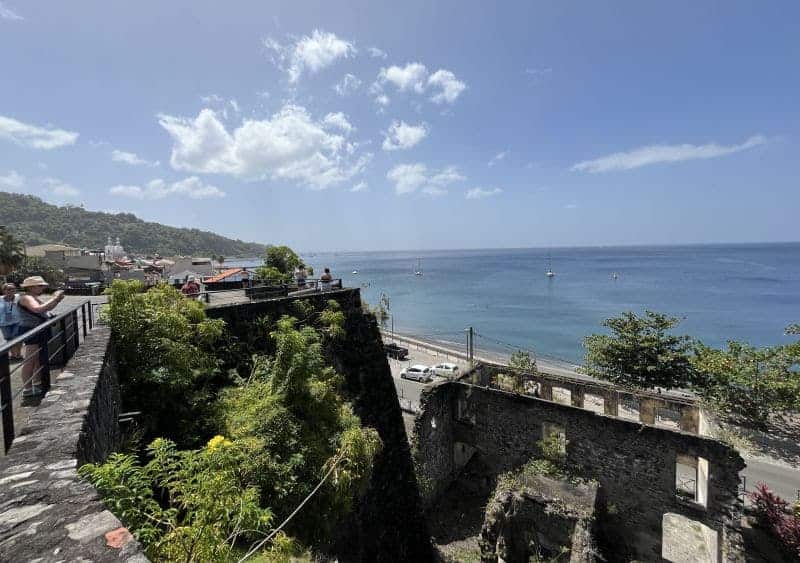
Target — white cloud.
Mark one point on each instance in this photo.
(131, 158)
(402, 136)
(412, 76)
(538, 71)
(289, 146)
(60, 188)
(450, 86)
(571, 206)
(656, 154)
(377, 53)
(382, 100)
(349, 84)
(34, 136)
(360, 187)
(310, 53)
(191, 187)
(338, 120)
(234, 105)
(408, 178)
(480, 193)
(12, 181)
(8, 14)
(212, 99)
(497, 158)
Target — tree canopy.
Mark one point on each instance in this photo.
(640, 352)
(38, 222)
(279, 264)
(12, 251)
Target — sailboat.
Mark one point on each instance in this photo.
(418, 271)
(550, 272)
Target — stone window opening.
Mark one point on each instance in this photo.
(551, 429)
(691, 479)
(562, 395)
(594, 403)
(668, 418)
(684, 540)
(629, 407)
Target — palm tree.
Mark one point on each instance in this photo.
(12, 252)
(220, 259)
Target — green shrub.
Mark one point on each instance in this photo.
(163, 344)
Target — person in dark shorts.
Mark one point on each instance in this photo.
(33, 311)
(9, 319)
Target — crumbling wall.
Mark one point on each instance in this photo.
(634, 464)
(539, 518)
(387, 523)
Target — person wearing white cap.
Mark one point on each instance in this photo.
(33, 311)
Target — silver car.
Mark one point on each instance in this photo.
(446, 369)
(417, 372)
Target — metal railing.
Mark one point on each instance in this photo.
(63, 335)
(257, 292)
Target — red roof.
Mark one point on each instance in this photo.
(226, 274)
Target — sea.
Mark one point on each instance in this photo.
(746, 292)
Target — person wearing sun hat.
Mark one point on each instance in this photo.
(33, 311)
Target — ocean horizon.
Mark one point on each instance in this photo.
(721, 292)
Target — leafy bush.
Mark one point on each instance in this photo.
(522, 362)
(291, 413)
(772, 513)
(207, 507)
(163, 345)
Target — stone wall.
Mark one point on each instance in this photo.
(47, 512)
(387, 523)
(635, 464)
(537, 517)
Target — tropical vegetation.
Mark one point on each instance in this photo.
(739, 381)
(12, 251)
(262, 465)
(279, 264)
(37, 222)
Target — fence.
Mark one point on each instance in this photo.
(271, 291)
(60, 338)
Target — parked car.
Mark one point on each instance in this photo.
(418, 372)
(446, 369)
(395, 351)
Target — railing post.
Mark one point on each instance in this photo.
(6, 400)
(44, 362)
(76, 335)
(64, 342)
(91, 315)
(83, 318)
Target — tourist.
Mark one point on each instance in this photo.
(325, 279)
(9, 319)
(33, 311)
(301, 275)
(191, 288)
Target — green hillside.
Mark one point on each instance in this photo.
(38, 222)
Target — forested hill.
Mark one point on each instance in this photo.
(38, 222)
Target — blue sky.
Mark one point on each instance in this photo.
(414, 125)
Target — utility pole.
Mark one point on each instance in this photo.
(470, 345)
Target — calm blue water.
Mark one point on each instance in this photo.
(722, 292)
